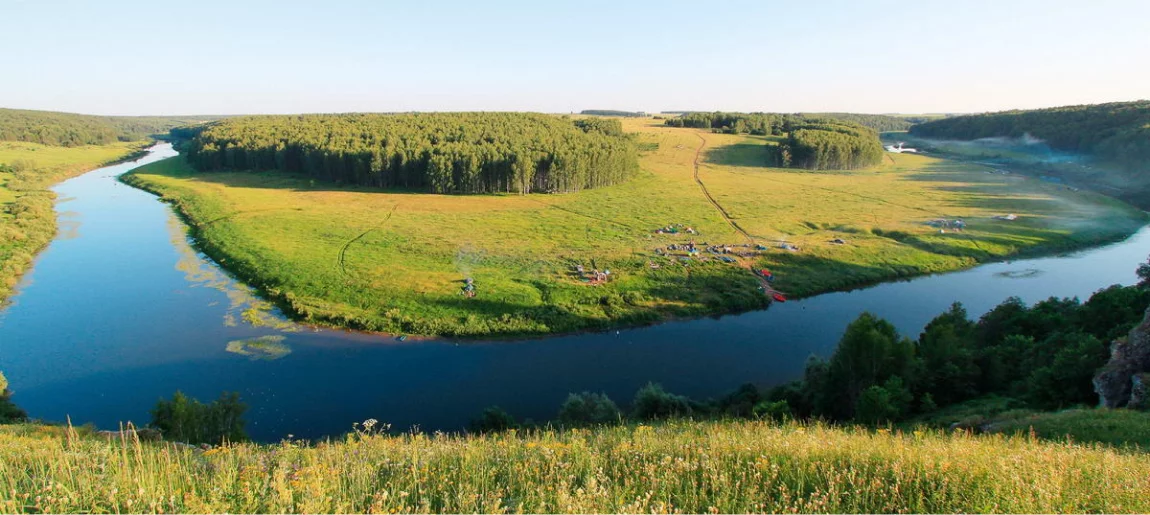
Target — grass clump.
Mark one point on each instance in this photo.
(676, 466)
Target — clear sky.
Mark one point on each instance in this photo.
(284, 56)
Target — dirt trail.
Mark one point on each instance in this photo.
(745, 263)
(723, 212)
(342, 260)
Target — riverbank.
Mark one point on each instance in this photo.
(697, 467)
(395, 262)
(27, 218)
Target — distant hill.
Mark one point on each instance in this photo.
(610, 112)
(1115, 137)
(72, 130)
(878, 122)
(1118, 132)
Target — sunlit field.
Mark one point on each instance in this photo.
(27, 220)
(396, 261)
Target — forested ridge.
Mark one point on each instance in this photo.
(814, 142)
(435, 152)
(1118, 131)
(612, 112)
(72, 130)
(775, 123)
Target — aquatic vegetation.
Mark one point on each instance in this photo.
(264, 347)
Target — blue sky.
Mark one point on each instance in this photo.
(227, 57)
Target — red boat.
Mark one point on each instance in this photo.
(780, 297)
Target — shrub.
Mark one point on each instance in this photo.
(652, 402)
(185, 419)
(588, 409)
(492, 420)
(9, 412)
(777, 410)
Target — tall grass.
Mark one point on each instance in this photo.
(679, 466)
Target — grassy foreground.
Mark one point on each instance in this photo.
(395, 261)
(27, 218)
(728, 467)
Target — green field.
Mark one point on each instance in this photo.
(694, 467)
(395, 261)
(27, 220)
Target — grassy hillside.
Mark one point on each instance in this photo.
(1103, 146)
(728, 467)
(27, 220)
(74, 130)
(369, 259)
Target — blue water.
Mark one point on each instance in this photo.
(120, 311)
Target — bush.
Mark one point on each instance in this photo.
(9, 412)
(777, 410)
(589, 409)
(652, 402)
(185, 419)
(492, 420)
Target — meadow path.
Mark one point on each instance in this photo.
(722, 212)
(744, 263)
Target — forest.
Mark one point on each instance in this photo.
(433, 152)
(73, 130)
(765, 124)
(612, 112)
(1042, 356)
(828, 146)
(1118, 132)
(813, 142)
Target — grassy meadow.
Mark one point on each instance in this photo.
(27, 218)
(395, 261)
(695, 467)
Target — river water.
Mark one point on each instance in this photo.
(120, 311)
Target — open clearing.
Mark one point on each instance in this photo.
(396, 261)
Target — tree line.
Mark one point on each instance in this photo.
(1044, 355)
(434, 152)
(813, 142)
(612, 112)
(1118, 131)
(767, 124)
(71, 130)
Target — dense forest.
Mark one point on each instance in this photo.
(435, 152)
(612, 112)
(1117, 132)
(828, 146)
(878, 122)
(813, 142)
(72, 130)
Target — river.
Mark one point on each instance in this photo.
(120, 311)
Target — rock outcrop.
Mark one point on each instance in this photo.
(1122, 382)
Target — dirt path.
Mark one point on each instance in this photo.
(745, 263)
(342, 260)
(722, 212)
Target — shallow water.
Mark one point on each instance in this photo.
(120, 310)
